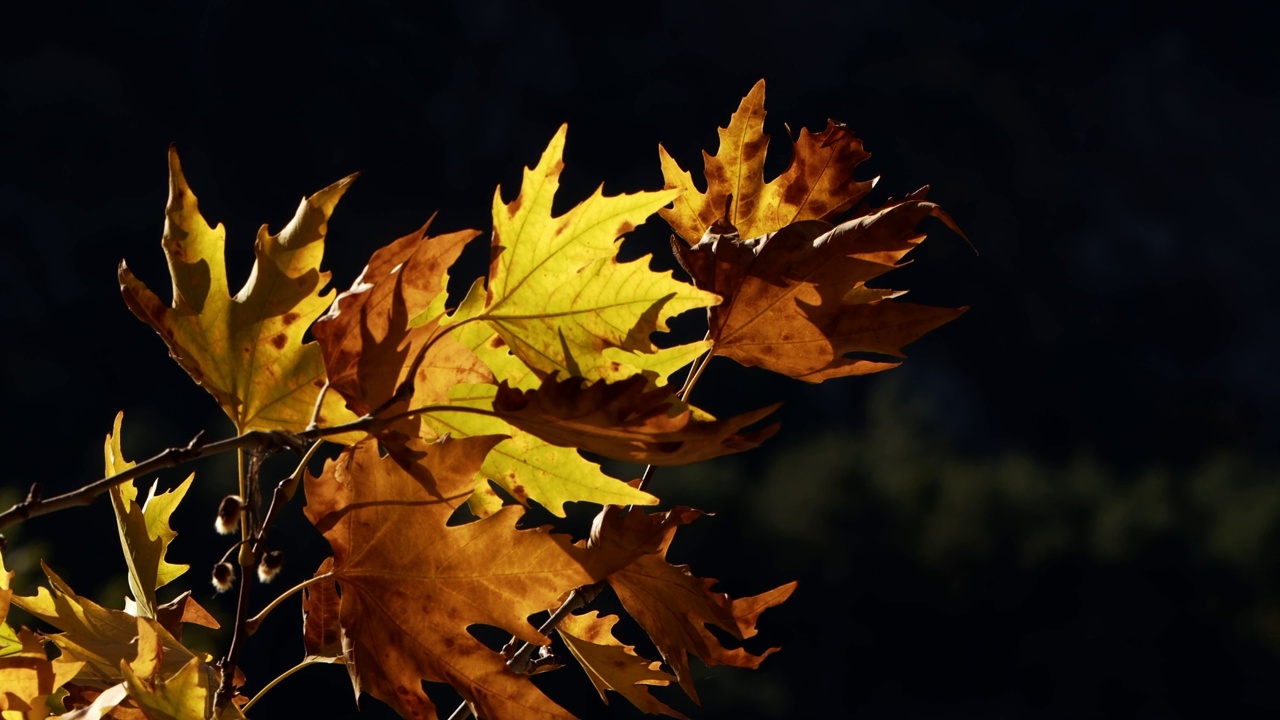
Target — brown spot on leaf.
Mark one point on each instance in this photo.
(278, 341)
(291, 317)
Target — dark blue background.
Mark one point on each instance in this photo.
(1064, 504)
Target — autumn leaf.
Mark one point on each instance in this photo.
(627, 420)
(247, 349)
(557, 294)
(144, 530)
(673, 606)
(794, 286)
(818, 183)
(411, 585)
(98, 636)
(321, 632)
(369, 348)
(28, 677)
(613, 666)
(525, 465)
(797, 303)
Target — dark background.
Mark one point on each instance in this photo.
(1064, 504)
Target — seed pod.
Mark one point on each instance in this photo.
(228, 520)
(270, 565)
(224, 574)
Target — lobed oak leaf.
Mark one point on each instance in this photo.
(411, 585)
(613, 666)
(99, 637)
(370, 350)
(627, 420)
(794, 286)
(28, 677)
(557, 294)
(797, 303)
(818, 183)
(672, 605)
(144, 529)
(247, 349)
(524, 465)
(321, 631)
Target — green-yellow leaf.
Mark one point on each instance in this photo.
(526, 466)
(144, 530)
(613, 666)
(99, 636)
(557, 294)
(247, 349)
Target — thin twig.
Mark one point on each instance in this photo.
(35, 506)
(251, 625)
(248, 480)
(306, 662)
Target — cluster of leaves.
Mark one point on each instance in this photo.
(485, 404)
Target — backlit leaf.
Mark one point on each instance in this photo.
(818, 183)
(557, 294)
(674, 607)
(247, 349)
(144, 530)
(627, 420)
(613, 666)
(411, 585)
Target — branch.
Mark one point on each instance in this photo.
(35, 505)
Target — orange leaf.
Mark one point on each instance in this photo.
(411, 585)
(817, 185)
(321, 633)
(674, 607)
(796, 301)
(613, 666)
(368, 345)
(627, 420)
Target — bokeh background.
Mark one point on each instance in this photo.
(1064, 504)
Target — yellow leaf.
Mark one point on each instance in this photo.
(246, 350)
(557, 294)
(818, 183)
(27, 677)
(100, 637)
(186, 695)
(611, 665)
(144, 530)
(526, 466)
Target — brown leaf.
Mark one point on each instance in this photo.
(818, 184)
(674, 607)
(368, 345)
(183, 609)
(321, 632)
(627, 420)
(411, 585)
(796, 301)
(613, 666)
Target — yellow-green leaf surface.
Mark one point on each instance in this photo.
(144, 530)
(185, 694)
(818, 183)
(526, 466)
(99, 636)
(557, 294)
(9, 642)
(613, 666)
(28, 677)
(247, 349)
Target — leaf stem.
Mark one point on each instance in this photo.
(306, 662)
(251, 625)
